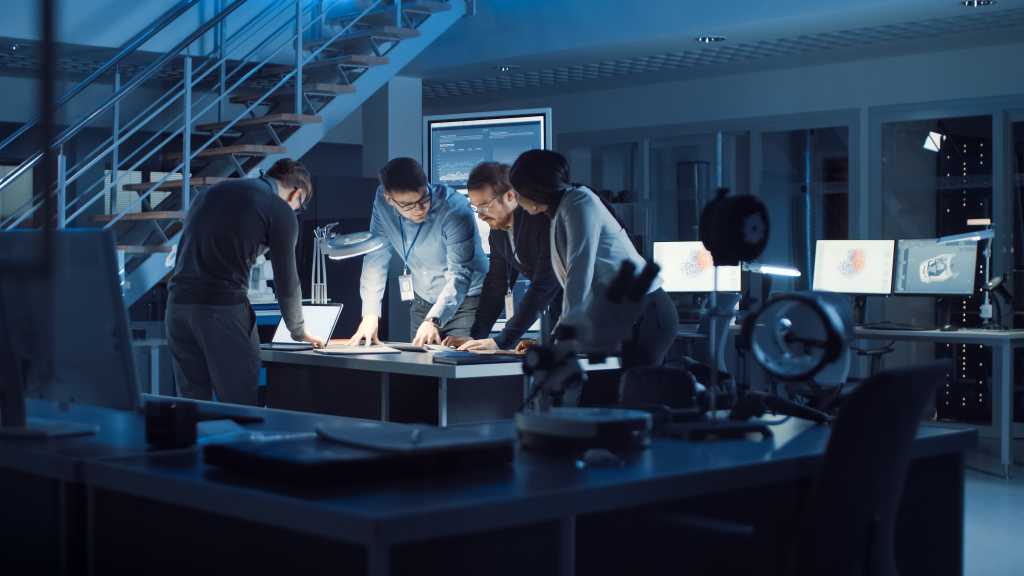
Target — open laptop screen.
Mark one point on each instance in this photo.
(320, 322)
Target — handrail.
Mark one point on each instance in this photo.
(132, 85)
(168, 99)
(284, 79)
(127, 48)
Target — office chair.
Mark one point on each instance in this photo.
(849, 521)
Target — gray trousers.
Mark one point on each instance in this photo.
(460, 325)
(215, 349)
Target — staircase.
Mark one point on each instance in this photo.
(273, 88)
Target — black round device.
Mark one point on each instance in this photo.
(734, 228)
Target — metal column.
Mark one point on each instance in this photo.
(298, 56)
(62, 199)
(186, 137)
(398, 13)
(115, 155)
(442, 402)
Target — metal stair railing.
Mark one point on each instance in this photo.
(111, 146)
(296, 73)
(137, 81)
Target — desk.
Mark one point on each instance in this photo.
(1003, 343)
(399, 386)
(541, 514)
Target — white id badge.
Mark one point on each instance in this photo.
(405, 287)
(509, 306)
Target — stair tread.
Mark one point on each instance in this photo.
(388, 10)
(384, 32)
(280, 118)
(351, 60)
(142, 216)
(236, 149)
(147, 249)
(318, 88)
(172, 185)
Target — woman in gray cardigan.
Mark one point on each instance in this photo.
(588, 245)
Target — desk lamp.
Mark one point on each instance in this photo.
(985, 310)
(328, 244)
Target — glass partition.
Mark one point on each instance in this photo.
(937, 180)
(805, 183)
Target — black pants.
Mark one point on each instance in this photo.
(650, 340)
(461, 323)
(215, 348)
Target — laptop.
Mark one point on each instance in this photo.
(320, 322)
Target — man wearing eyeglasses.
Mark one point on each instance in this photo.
(520, 244)
(433, 230)
(211, 328)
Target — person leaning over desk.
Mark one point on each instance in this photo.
(211, 328)
(519, 245)
(433, 230)
(588, 246)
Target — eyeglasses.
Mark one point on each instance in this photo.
(486, 206)
(421, 203)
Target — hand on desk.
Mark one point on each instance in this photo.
(316, 342)
(455, 341)
(427, 333)
(485, 344)
(367, 332)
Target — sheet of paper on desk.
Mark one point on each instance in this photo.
(341, 349)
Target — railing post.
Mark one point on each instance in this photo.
(115, 156)
(221, 103)
(186, 135)
(62, 200)
(398, 13)
(298, 56)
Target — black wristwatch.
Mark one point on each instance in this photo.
(434, 321)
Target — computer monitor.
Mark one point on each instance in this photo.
(90, 349)
(455, 144)
(853, 266)
(689, 267)
(925, 267)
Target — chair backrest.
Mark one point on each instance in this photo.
(849, 522)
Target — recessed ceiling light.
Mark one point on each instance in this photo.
(507, 68)
(710, 39)
(976, 3)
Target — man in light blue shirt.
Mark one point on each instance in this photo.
(433, 230)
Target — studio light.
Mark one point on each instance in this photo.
(934, 141)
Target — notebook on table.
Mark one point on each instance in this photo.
(320, 322)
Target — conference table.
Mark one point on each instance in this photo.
(112, 505)
(402, 387)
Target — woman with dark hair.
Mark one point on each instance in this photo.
(588, 245)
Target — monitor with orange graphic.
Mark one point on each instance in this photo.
(688, 267)
(854, 266)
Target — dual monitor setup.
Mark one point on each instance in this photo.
(924, 267)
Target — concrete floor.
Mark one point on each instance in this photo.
(993, 543)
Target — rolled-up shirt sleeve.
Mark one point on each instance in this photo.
(374, 277)
(460, 238)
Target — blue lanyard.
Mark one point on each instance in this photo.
(401, 228)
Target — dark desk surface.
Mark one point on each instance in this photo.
(119, 434)
(411, 363)
(534, 489)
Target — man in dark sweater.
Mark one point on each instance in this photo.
(211, 328)
(520, 244)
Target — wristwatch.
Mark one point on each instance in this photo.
(433, 321)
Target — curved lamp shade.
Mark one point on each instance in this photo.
(342, 246)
